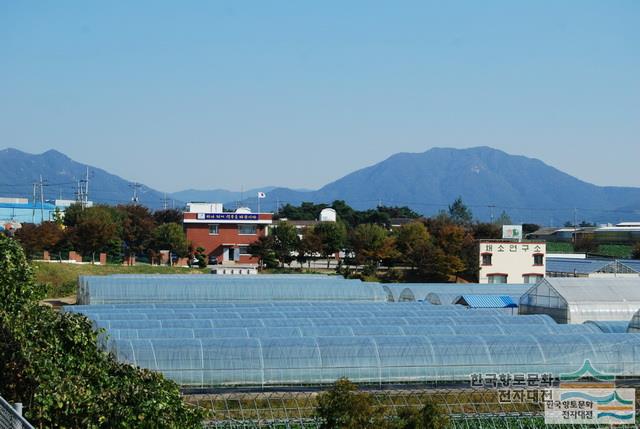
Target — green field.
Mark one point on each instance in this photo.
(62, 279)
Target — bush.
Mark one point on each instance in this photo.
(343, 407)
(49, 361)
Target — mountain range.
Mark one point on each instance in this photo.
(489, 181)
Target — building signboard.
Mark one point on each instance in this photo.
(512, 232)
(228, 216)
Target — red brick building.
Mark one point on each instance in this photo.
(225, 236)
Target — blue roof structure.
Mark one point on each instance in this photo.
(487, 301)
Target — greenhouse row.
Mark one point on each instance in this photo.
(122, 289)
(263, 362)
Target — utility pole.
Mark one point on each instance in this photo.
(33, 204)
(491, 207)
(135, 187)
(165, 202)
(41, 200)
(86, 189)
(575, 225)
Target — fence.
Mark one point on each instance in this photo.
(10, 418)
(467, 408)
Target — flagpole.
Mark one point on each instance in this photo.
(258, 203)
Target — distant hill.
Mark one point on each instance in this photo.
(527, 189)
(218, 195)
(487, 180)
(19, 169)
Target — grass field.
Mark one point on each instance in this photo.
(62, 279)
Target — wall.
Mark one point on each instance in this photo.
(515, 259)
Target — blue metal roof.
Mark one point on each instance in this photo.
(577, 266)
(487, 301)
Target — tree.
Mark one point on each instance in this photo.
(429, 416)
(343, 407)
(308, 247)
(332, 236)
(171, 237)
(49, 361)
(95, 229)
(72, 214)
(285, 241)
(29, 239)
(411, 239)
(137, 228)
(372, 244)
(36, 238)
(262, 249)
(168, 216)
(503, 219)
(635, 252)
(459, 213)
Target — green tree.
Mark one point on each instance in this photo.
(411, 241)
(137, 228)
(72, 214)
(95, 229)
(308, 247)
(332, 236)
(429, 416)
(343, 407)
(171, 237)
(459, 213)
(262, 249)
(503, 219)
(49, 361)
(285, 242)
(371, 244)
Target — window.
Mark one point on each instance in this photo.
(244, 250)
(246, 229)
(532, 278)
(486, 259)
(497, 278)
(538, 259)
(213, 229)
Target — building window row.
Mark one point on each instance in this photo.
(243, 229)
(538, 259)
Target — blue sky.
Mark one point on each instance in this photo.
(224, 94)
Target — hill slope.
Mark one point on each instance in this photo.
(527, 189)
(19, 169)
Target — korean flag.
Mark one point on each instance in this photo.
(262, 195)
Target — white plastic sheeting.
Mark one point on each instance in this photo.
(576, 300)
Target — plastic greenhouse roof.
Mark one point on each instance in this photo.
(609, 326)
(374, 359)
(572, 265)
(211, 288)
(597, 290)
(487, 301)
(446, 292)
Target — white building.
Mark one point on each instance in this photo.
(503, 261)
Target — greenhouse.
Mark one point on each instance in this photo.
(634, 323)
(576, 300)
(446, 293)
(211, 288)
(262, 362)
(608, 326)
